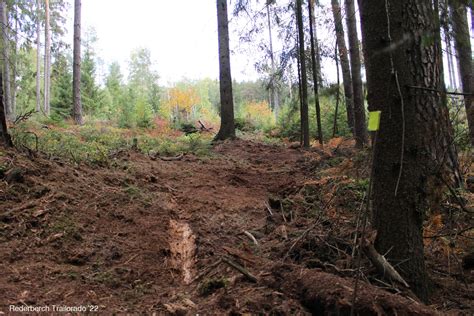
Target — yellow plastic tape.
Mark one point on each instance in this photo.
(374, 120)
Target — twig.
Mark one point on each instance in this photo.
(241, 269)
(269, 209)
(452, 233)
(209, 269)
(179, 157)
(251, 237)
(381, 264)
(440, 91)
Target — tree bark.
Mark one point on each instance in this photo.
(6, 61)
(345, 65)
(76, 71)
(354, 51)
(415, 123)
(275, 99)
(5, 138)
(462, 43)
(316, 68)
(38, 57)
(47, 61)
(227, 129)
(338, 92)
(304, 77)
(15, 65)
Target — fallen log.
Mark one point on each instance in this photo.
(323, 293)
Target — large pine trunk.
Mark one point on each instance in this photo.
(360, 127)
(4, 136)
(47, 61)
(345, 65)
(6, 61)
(227, 129)
(462, 43)
(76, 71)
(414, 122)
(304, 76)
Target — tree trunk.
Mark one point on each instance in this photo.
(462, 43)
(227, 129)
(274, 98)
(76, 71)
(47, 61)
(38, 57)
(304, 77)
(4, 136)
(345, 65)
(316, 68)
(338, 92)
(15, 65)
(354, 51)
(414, 125)
(6, 61)
(443, 8)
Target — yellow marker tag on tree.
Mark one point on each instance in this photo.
(374, 120)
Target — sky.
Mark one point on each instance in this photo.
(181, 35)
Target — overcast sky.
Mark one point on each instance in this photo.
(182, 35)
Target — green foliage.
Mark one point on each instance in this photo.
(61, 92)
(144, 113)
(289, 120)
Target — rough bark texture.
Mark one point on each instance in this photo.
(462, 43)
(4, 136)
(47, 61)
(76, 71)
(227, 129)
(360, 127)
(304, 76)
(316, 68)
(38, 57)
(420, 127)
(345, 66)
(6, 61)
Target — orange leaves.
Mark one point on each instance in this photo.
(258, 110)
(182, 100)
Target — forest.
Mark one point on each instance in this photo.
(335, 178)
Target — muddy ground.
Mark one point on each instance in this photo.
(148, 235)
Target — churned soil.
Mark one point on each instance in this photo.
(251, 228)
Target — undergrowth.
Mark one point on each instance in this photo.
(95, 144)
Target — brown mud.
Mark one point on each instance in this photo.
(148, 236)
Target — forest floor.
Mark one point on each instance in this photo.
(148, 235)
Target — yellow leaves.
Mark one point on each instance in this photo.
(182, 100)
(258, 110)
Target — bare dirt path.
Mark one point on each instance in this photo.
(147, 235)
(94, 236)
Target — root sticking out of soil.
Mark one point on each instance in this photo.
(183, 249)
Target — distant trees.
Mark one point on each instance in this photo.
(227, 128)
(360, 128)
(345, 65)
(303, 75)
(316, 66)
(462, 42)
(47, 61)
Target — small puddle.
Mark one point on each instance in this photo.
(183, 248)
